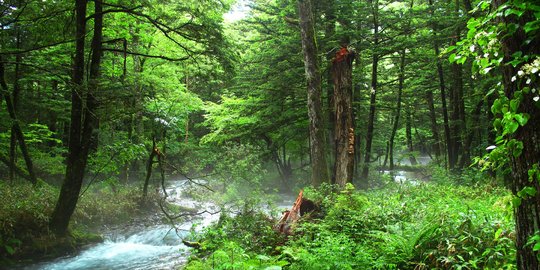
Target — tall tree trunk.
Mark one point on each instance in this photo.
(401, 80)
(16, 128)
(83, 119)
(329, 32)
(436, 147)
(373, 92)
(149, 164)
(344, 130)
(15, 95)
(408, 134)
(457, 121)
(466, 156)
(319, 169)
(527, 213)
(442, 85)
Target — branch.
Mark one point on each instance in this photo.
(187, 214)
(125, 9)
(189, 179)
(59, 76)
(148, 55)
(16, 19)
(37, 48)
(164, 28)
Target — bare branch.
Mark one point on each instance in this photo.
(41, 47)
(148, 55)
(119, 10)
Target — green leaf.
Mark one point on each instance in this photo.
(461, 60)
(531, 26)
(521, 118)
(452, 58)
(498, 233)
(511, 127)
(527, 192)
(516, 202)
(496, 107)
(9, 250)
(511, 11)
(514, 104)
(517, 149)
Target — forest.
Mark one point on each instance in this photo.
(270, 134)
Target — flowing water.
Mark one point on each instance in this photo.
(154, 247)
(157, 246)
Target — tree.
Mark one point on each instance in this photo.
(16, 128)
(319, 170)
(83, 118)
(401, 78)
(513, 25)
(344, 140)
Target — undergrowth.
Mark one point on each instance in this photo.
(25, 211)
(431, 225)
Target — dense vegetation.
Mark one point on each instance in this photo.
(435, 225)
(106, 100)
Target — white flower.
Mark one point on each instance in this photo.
(520, 73)
(486, 70)
(536, 98)
(491, 147)
(533, 90)
(513, 78)
(471, 48)
(534, 70)
(528, 81)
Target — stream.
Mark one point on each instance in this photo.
(157, 246)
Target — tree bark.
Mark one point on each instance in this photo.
(475, 121)
(373, 93)
(16, 128)
(83, 119)
(15, 94)
(401, 80)
(149, 164)
(329, 32)
(436, 147)
(527, 213)
(408, 134)
(344, 130)
(442, 86)
(319, 169)
(457, 121)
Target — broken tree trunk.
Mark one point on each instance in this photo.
(301, 206)
(343, 113)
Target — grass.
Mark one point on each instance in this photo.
(25, 211)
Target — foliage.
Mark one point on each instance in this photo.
(25, 211)
(242, 241)
(441, 225)
(24, 214)
(108, 204)
(444, 226)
